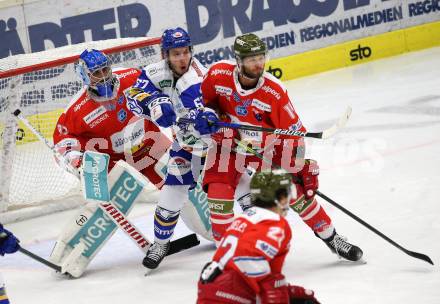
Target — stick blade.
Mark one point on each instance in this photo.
(186, 242)
(342, 121)
(420, 256)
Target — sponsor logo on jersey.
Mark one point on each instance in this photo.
(99, 120)
(178, 166)
(79, 105)
(261, 105)
(266, 248)
(221, 90)
(130, 136)
(123, 75)
(152, 71)
(216, 72)
(271, 91)
(94, 114)
(165, 83)
(122, 115)
(121, 100)
(251, 136)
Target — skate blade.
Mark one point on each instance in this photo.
(148, 272)
(343, 261)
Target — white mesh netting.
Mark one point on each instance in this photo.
(29, 175)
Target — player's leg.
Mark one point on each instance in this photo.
(314, 215)
(219, 182)
(3, 296)
(174, 193)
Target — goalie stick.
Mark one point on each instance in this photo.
(413, 254)
(108, 208)
(327, 133)
(176, 246)
(34, 256)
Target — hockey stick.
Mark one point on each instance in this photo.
(34, 256)
(416, 255)
(108, 208)
(327, 133)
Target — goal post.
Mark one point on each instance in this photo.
(41, 85)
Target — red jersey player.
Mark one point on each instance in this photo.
(98, 119)
(243, 93)
(247, 266)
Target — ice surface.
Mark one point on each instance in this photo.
(384, 167)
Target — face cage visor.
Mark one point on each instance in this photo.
(100, 79)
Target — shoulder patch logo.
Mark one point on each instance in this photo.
(122, 115)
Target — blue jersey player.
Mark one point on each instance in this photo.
(165, 91)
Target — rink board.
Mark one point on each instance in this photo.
(357, 51)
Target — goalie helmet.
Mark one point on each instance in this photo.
(249, 45)
(94, 69)
(174, 38)
(269, 187)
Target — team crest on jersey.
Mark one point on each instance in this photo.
(242, 110)
(122, 115)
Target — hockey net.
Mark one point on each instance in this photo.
(41, 85)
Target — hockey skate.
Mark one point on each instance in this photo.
(342, 248)
(155, 255)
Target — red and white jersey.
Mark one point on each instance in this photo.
(266, 105)
(255, 245)
(108, 127)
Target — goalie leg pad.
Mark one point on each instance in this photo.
(91, 226)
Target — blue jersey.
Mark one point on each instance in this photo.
(185, 95)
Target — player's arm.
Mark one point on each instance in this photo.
(67, 138)
(147, 101)
(210, 96)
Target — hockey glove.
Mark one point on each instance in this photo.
(157, 106)
(299, 295)
(161, 110)
(309, 176)
(205, 122)
(8, 242)
(274, 289)
(209, 272)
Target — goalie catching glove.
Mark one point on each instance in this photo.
(158, 107)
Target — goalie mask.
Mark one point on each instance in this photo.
(95, 71)
(270, 188)
(250, 53)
